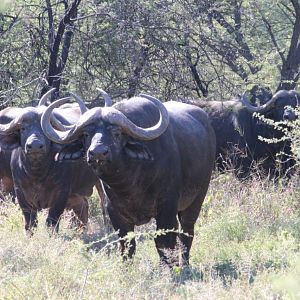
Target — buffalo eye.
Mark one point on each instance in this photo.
(116, 132)
(86, 137)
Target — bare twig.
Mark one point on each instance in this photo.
(273, 38)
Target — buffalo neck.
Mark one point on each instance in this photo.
(128, 177)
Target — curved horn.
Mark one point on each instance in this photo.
(295, 94)
(265, 107)
(43, 101)
(58, 124)
(80, 102)
(268, 105)
(69, 135)
(46, 125)
(108, 114)
(107, 100)
(15, 123)
(45, 97)
(116, 117)
(6, 129)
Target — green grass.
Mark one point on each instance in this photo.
(246, 247)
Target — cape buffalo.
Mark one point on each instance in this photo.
(40, 181)
(154, 159)
(6, 181)
(237, 132)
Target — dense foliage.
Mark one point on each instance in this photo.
(248, 235)
(173, 49)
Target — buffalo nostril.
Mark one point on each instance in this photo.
(35, 146)
(98, 153)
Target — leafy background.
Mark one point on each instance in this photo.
(247, 236)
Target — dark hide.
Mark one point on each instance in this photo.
(6, 182)
(7, 144)
(40, 181)
(237, 135)
(164, 178)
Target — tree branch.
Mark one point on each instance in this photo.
(14, 21)
(243, 48)
(51, 33)
(135, 78)
(200, 84)
(229, 56)
(291, 66)
(296, 7)
(273, 38)
(56, 67)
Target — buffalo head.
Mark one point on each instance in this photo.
(278, 108)
(20, 127)
(107, 134)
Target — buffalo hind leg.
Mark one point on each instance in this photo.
(55, 213)
(30, 217)
(80, 206)
(187, 219)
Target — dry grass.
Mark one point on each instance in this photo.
(246, 247)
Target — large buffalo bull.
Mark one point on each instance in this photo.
(154, 159)
(238, 130)
(40, 181)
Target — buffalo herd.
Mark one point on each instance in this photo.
(147, 158)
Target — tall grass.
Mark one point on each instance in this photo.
(246, 246)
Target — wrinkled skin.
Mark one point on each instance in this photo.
(237, 135)
(164, 178)
(40, 181)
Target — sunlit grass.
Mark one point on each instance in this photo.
(246, 247)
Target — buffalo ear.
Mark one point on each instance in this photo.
(137, 150)
(72, 151)
(9, 142)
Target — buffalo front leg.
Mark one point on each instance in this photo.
(30, 215)
(166, 242)
(127, 246)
